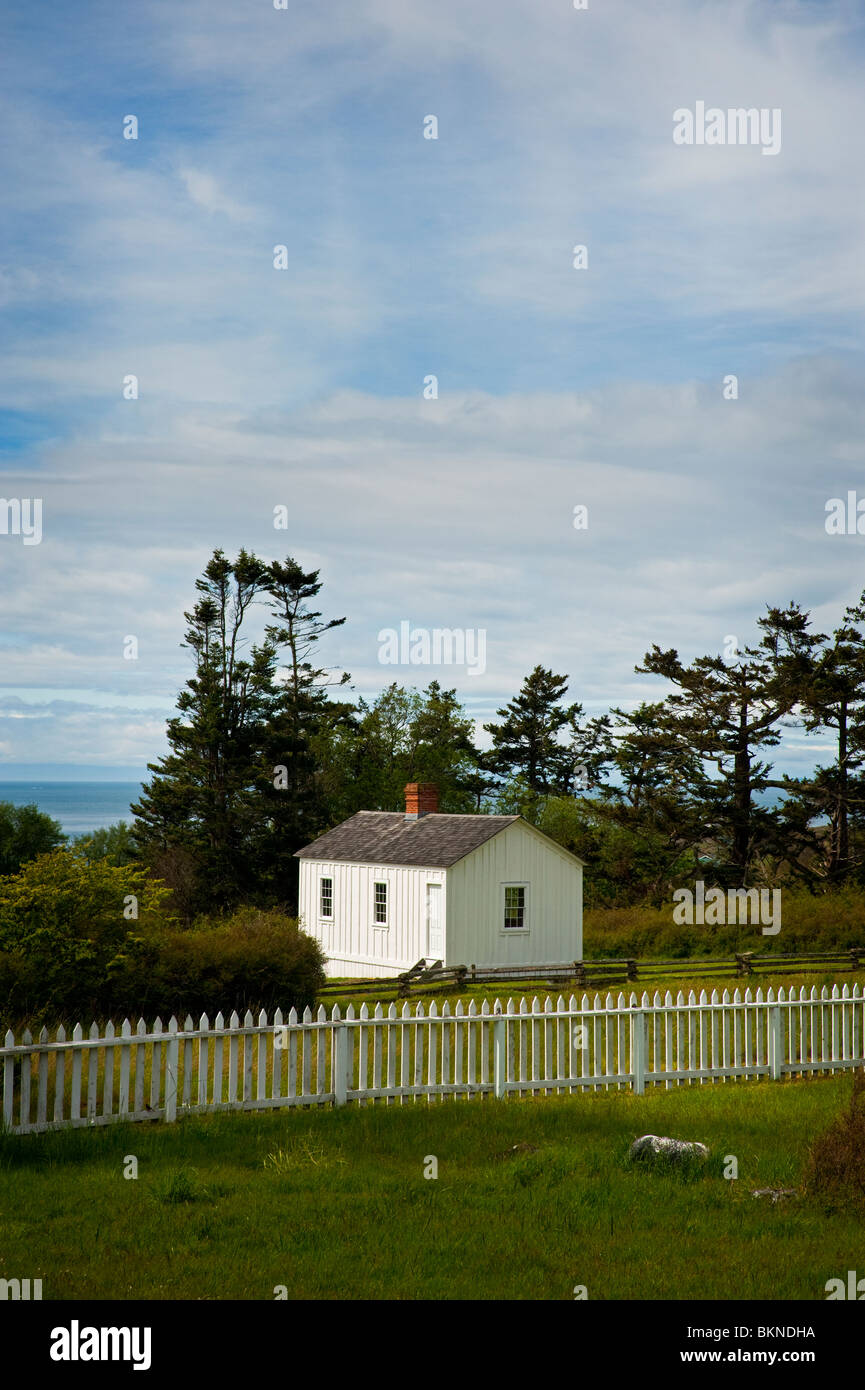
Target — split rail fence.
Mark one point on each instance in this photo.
(383, 1057)
(428, 977)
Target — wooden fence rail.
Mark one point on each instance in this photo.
(158, 1073)
(424, 979)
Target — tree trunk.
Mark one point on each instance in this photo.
(742, 795)
(840, 833)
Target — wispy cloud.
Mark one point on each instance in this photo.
(405, 258)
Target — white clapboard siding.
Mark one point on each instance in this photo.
(531, 1047)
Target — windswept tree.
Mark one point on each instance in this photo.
(226, 809)
(639, 818)
(292, 788)
(658, 790)
(833, 700)
(728, 713)
(201, 802)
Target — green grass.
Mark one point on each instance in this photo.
(809, 922)
(333, 1204)
(693, 979)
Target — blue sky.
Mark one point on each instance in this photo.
(410, 257)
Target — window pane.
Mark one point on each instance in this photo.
(327, 897)
(380, 914)
(515, 906)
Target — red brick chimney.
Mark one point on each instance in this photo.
(421, 799)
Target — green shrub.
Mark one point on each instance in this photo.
(70, 951)
(68, 928)
(254, 959)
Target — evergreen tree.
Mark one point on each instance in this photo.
(527, 749)
(659, 791)
(238, 794)
(293, 791)
(201, 802)
(638, 818)
(726, 714)
(833, 699)
(443, 750)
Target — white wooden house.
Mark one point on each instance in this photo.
(386, 889)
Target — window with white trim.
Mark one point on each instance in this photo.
(379, 915)
(516, 915)
(326, 897)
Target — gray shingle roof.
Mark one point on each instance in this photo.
(386, 837)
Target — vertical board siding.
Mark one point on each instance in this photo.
(537, 1047)
(473, 912)
(471, 908)
(354, 946)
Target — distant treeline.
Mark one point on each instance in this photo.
(268, 750)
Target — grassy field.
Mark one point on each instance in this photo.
(809, 922)
(334, 1204)
(694, 979)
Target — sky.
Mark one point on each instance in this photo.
(600, 386)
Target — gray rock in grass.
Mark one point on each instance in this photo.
(651, 1146)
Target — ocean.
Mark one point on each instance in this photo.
(80, 807)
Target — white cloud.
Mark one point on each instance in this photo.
(204, 190)
(407, 257)
(692, 506)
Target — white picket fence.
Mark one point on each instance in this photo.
(497, 1050)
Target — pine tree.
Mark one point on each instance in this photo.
(526, 744)
(727, 714)
(193, 819)
(833, 699)
(238, 793)
(290, 782)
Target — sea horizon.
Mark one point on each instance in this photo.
(80, 806)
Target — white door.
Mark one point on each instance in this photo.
(434, 932)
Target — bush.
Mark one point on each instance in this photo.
(254, 959)
(835, 1171)
(68, 927)
(71, 952)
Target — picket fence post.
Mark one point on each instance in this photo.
(638, 1051)
(340, 1063)
(499, 1053)
(9, 1079)
(171, 1059)
(776, 1054)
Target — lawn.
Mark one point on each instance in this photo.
(334, 1204)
